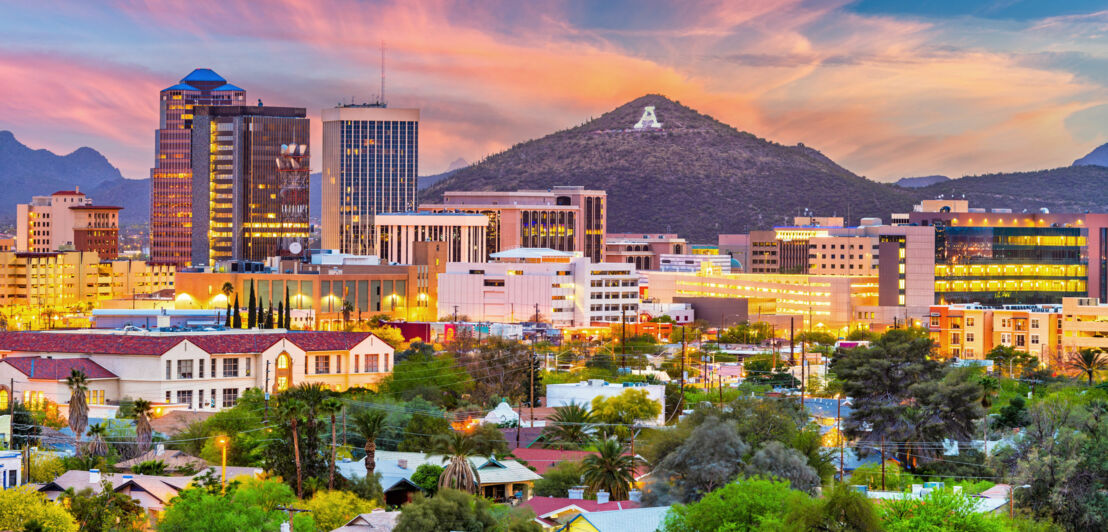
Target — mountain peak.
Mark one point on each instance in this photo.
(1097, 157)
(671, 114)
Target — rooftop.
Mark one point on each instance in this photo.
(157, 343)
(55, 369)
(202, 74)
(531, 253)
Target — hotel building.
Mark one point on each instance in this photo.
(249, 183)
(564, 218)
(567, 289)
(463, 234)
(318, 290)
(196, 370)
(67, 220)
(370, 166)
(642, 250)
(171, 178)
(1002, 258)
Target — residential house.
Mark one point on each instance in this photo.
(637, 519)
(500, 480)
(554, 512)
(376, 521)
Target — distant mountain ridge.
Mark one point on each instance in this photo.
(27, 172)
(694, 176)
(920, 182)
(1097, 157)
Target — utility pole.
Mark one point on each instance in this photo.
(839, 427)
(623, 334)
(531, 404)
(344, 424)
(266, 414)
(882, 462)
(681, 399)
(455, 313)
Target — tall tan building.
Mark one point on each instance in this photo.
(370, 166)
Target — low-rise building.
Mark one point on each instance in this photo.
(67, 219)
(971, 331)
(642, 250)
(563, 288)
(499, 480)
(197, 370)
(1084, 324)
(11, 469)
(690, 262)
(463, 234)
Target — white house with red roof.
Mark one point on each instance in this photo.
(195, 370)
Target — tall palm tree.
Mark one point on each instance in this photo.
(96, 444)
(1089, 361)
(570, 427)
(609, 470)
(227, 289)
(456, 448)
(78, 405)
(370, 423)
(332, 406)
(143, 432)
(292, 410)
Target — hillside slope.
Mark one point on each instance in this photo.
(695, 176)
(1066, 189)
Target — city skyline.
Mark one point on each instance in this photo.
(887, 91)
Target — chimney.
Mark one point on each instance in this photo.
(577, 492)
(402, 463)
(94, 476)
(601, 497)
(634, 496)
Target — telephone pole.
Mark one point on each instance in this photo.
(265, 415)
(681, 399)
(623, 334)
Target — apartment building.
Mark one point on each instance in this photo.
(1084, 324)
(971, 331)
(642, 250)
(67, 220)
(194, 370)
(564, 288)
(463, 234)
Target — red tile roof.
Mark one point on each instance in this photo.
(68, 193)
(546, 505)
(122, 344)
(57, 368)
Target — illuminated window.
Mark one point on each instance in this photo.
(283, 361)
(3, 399)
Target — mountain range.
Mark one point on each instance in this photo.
(41, 172)
(694, 176)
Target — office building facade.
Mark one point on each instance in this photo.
(642, 250)
(370, 166)
(463, 234)
(171, 177)
(250, 183)
(563, 218)
(67, 220)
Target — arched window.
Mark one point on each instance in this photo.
(283, 361)
(3, 399)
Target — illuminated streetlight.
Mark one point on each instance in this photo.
(222, 442)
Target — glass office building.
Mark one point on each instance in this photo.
(370, 166)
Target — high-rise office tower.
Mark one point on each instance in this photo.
(249, 183)
(370, 164)
(171, 177)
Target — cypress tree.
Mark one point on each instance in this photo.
(252, 309)
(288, 309)
(280, 319)
(236, 321)
(269, 318)
(227, 322)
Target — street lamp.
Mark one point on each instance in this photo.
(222, 442)
(1012, 498)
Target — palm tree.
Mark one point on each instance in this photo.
(332, 406)
(292, 410)
(609, 470)
(370, 423)
(96, 444)
(1089, 361)
(459, 474)
(347, 308)
(78, 405)
(143, 432)
(227, 289)
(570, 427)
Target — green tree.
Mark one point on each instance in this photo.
(459, 474)
(24, 507)
(841, 509)
(940, 510)
(300, 408)
(761, 420)
(711, 456)
(280, 316)
(1014, 414)
(252, 308)
(489, 440)
(106, 511)
(447, 511)
(149, 467)
(436, 378)
(1088, 362)
(78, 405)
(422, 431)
(1009, 360)
(250, 505)
(45, 467)
(734, 507)
(871, 475)
(426, 476)
(332, 407)
(292, 411)
(369, 424)
(288, 309)
(609, 470)
(557, 481)
(569, 427)
(774, 459)
(620, 412)
(332, 509)
(143, 432)
(236, 320)
(96, 445)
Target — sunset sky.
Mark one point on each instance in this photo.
(887, 89)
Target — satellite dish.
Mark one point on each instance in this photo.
(294, 248)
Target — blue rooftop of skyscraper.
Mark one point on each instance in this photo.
(203, 74)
